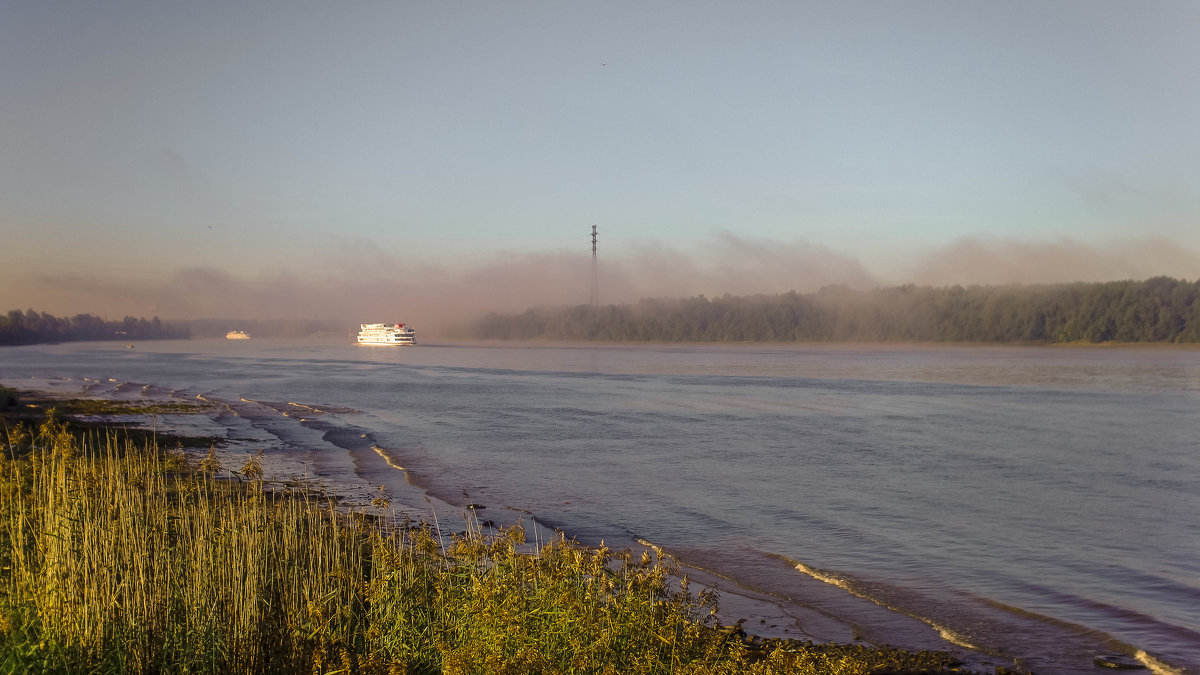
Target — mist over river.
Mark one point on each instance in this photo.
(1038, 504)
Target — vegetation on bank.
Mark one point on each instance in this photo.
(30, 327)
(1160, 310)
(117, 557)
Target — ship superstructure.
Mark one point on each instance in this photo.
(386, 334)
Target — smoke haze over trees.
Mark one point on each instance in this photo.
(361, 280)
(1156, 310)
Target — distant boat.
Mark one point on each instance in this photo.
(386, 334)
(237, 335)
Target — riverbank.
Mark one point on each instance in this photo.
(492, 605)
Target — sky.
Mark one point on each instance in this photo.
(424, 161)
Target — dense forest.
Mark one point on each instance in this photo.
(1156, 310)
(28, 327)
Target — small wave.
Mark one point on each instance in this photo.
(1082, 636)
(213, 401)
(387, 458)
(658, 551)
(952, 637)
(821, 575)
(1155, 666)
(1042, 618)
(847, 584)
(287, 408)
(277, 406)
(321, 408)
(1177, 634)
(305, 406)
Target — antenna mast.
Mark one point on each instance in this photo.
(595, 280)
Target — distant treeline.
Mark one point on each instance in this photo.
(1156, 310)
(29, 327)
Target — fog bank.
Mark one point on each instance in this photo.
(365, 283)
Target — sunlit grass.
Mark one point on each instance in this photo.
(117, 558)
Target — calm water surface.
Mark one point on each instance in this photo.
(1038, 504)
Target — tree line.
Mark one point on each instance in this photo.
(29, 327)
(1161, 309)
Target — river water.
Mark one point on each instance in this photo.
(1038, 505)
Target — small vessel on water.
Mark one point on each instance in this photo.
(386, 334)
(237, 335)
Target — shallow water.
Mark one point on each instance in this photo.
(1038, 504)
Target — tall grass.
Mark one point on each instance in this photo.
(118, 558)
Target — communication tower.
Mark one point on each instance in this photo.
(595, 279)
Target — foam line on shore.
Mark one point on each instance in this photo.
(845, 583)
(321, 408)
(380, 451)
(1100, 636)
(808, 621)
(1155, 666)
(1021, 626)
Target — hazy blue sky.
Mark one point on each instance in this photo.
(390, 157)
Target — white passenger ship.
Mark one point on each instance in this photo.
(386, 334)
(237, 335)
